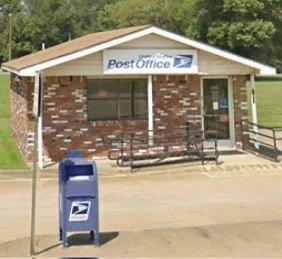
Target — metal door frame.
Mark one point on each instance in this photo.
(228, 144)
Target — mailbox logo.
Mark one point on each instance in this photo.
(79, 211)
(183, 61)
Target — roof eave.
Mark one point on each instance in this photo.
(31, 70)
(9, 69)
(264, 69)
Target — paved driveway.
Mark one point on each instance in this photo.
(176, 214)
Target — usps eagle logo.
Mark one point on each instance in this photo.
(183, 61)
(79, 211)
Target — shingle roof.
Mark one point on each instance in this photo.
(69, 47)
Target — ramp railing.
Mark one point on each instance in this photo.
(262, 140)
(168, 145)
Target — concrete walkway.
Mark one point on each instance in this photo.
(231, 164)
(171, 214)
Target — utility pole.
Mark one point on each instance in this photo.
(10, 37)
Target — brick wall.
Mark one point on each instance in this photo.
(65, 124)
(176, 100)
(21, 119)
(240, 104)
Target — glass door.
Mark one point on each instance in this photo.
(216, 110)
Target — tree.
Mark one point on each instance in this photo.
(250, 28)
(163, 13)
(45, 21)
(7, 7)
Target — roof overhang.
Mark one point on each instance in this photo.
(32, 70)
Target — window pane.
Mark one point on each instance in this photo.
(124, 108)
(101, 89)
(140, 108)
(101, 109)
(139, 87)
(123, 87)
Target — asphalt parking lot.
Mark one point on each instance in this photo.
(173, 214)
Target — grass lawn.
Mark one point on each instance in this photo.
(10, 157)
(269, 100)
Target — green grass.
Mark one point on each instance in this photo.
(10, 157)
(269, 78)
(269, 98)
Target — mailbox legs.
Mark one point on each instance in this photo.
(65, 239)
(94, 236)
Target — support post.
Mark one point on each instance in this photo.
(36, 112)
(150, 109)
(254, 109)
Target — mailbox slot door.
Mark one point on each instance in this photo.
(80, 188)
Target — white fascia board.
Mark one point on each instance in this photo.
(7, 69)
(264, 70)
(20, 72)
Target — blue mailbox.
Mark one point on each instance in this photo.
(78, 197)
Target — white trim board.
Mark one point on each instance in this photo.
(30, 71)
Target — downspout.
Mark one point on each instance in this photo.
(254, 109)
(40, 137)
(39, 128)
(150, 109)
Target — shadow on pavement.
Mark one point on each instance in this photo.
(48, 248)
(83, 239)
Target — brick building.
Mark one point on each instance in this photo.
(128, 79)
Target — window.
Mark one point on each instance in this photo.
(113, 99)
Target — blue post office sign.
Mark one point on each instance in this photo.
(150, 61)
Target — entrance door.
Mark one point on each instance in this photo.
(217, 121)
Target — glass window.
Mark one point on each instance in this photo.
(107, 112)
(140, 108)
(216, 119)
(123, 88)
(124, 110)
(116, 99)
(101, 89)
(140, 88)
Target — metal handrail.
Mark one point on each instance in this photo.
(186, 138)
(256, 124)
(245, 124)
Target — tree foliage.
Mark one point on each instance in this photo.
(251, 28)
(246, 27)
